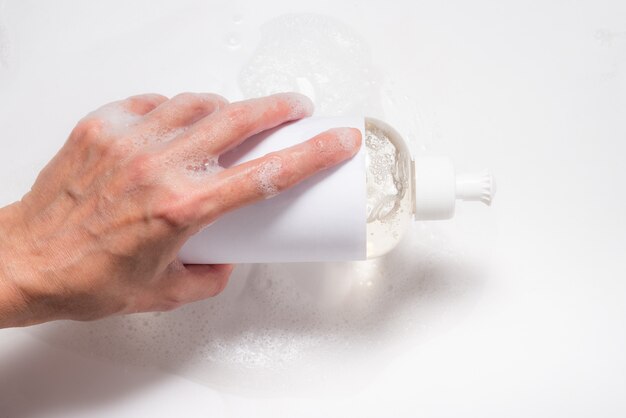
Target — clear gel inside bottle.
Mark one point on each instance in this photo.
(400, 190)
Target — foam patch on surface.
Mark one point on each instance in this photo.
(316, 56)
(317, 327)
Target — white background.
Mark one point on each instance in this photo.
(533, 89)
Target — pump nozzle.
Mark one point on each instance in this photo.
(437, 187)
(478, 187)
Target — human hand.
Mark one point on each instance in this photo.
(99, 232)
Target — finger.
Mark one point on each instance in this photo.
(266, 176)
(223, 130)
(194, 282)
(182, 110)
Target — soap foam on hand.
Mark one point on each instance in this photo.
(206, 166)
(116, 121)
(266, 176)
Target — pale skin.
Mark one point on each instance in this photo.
(99, 232)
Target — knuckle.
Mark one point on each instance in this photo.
(90, 134)
(187, 97)
(284, 172)
(175, 215)
(169, 303)
(237, 116)
(220, 284)
(221, 101)
(204, 99)
(173, 297)
(200, 101)
(175, 210)
(150, 99)
(285, 180)
(88, 130)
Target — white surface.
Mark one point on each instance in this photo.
(535, 90)
(321, 219)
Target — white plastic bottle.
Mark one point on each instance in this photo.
(357, 210)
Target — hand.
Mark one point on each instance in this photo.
(99, 232)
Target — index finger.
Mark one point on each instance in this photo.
(267, 176)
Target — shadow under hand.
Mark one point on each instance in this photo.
(39, 380)
(298, 327)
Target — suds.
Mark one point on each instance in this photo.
(116, 119)
(317, 56)
(266, 176)
(119, 124)
(207, 166)
(321, 327)
(386, 180)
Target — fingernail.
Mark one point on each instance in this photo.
(349, 138)
(299, 105)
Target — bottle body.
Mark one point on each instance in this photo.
(321, 219)
(359, 209)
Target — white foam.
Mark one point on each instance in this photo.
(116, 119)
(266, 175)
(385, 185)
(317, 56)
(120, 123)
(202, 166)
(294, 323)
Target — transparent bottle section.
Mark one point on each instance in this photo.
(389, 187)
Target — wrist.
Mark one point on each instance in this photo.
(15, 308)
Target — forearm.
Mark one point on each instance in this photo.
(14, 310)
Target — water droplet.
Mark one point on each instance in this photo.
(233, 41)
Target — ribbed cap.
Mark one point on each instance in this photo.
(437, 187)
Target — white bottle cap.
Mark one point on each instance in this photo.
(437, 187)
